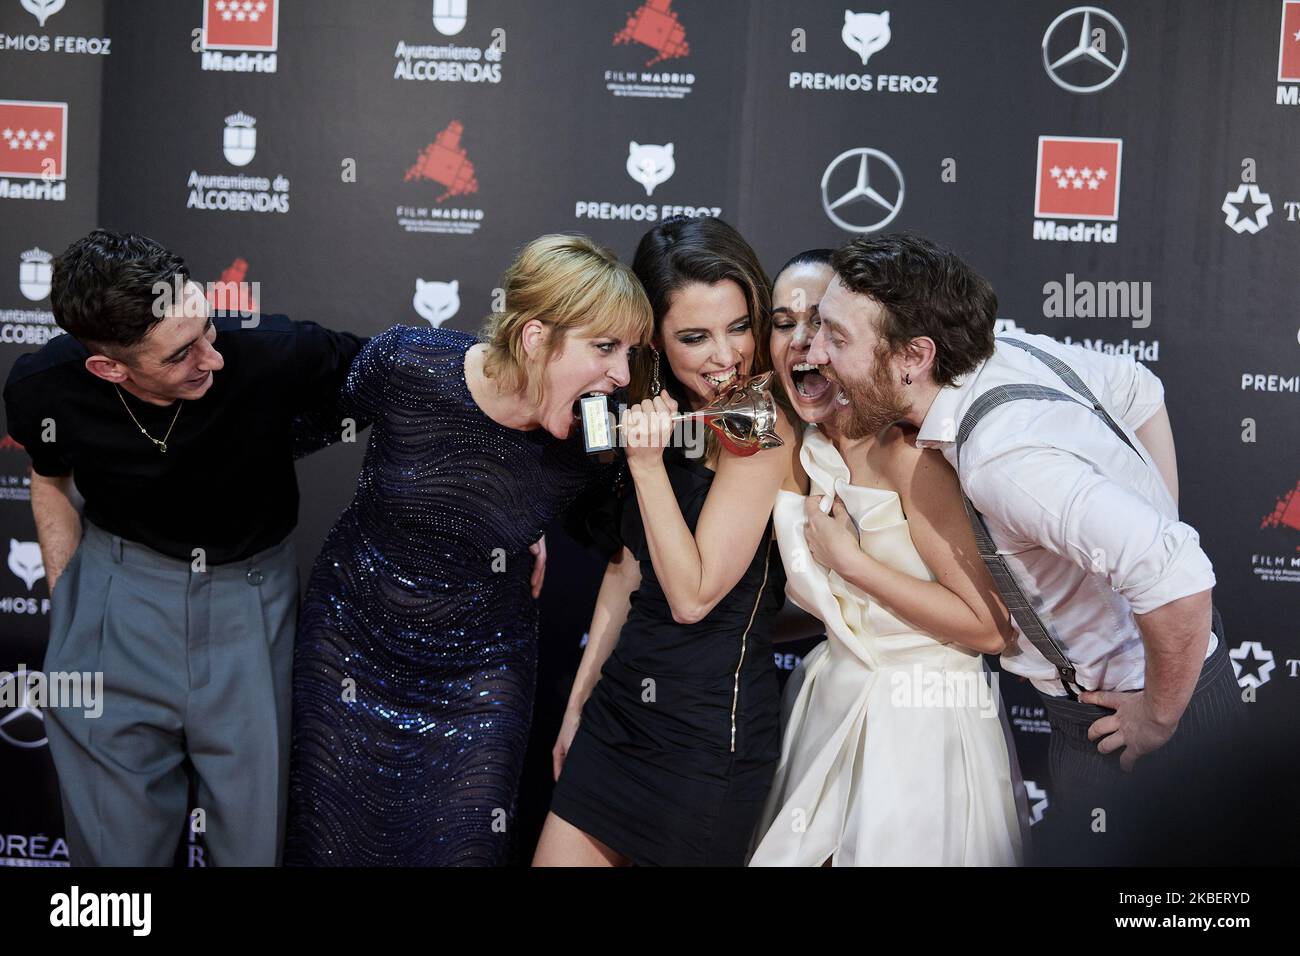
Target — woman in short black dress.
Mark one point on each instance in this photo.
(672, 732)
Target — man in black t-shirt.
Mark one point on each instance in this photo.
(177, 426)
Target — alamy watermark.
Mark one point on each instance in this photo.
(77, 690)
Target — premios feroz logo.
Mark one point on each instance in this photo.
(61, 42)
(649, 165)
(868, 37)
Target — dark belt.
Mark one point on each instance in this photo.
(1076, 713)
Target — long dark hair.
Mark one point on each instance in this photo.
(680, 251)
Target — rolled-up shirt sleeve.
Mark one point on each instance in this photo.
(1054, 499)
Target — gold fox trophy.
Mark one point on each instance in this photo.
(743, 416)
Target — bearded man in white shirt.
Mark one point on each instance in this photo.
(1067, 462)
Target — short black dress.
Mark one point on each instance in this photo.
(679, 740)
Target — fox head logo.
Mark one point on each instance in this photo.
(25, 561)
(866, 33)
(436, 302)
(650, 165)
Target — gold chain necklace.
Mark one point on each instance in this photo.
(162, 445)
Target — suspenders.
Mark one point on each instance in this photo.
(1022, 610)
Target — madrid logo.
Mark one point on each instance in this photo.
(34, 139)
(862, 190)
(1288, 55)
(34, 274)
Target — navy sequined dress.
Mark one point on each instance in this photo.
(415, 665)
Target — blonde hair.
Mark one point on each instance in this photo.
(572, 285)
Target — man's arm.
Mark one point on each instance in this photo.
(58, 526)
(322, 360)
(1176, 636)
(1157, 437)
(1058, 501)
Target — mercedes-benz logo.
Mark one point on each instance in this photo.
(864, 191)
(24, 708)
(1100, 58)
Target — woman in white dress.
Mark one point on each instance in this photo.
(894, 750)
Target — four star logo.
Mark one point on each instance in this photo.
(1256, 219)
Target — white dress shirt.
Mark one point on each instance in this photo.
(1088, 528)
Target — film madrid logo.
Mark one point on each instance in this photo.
(445, 163)
(33, 150)
(866, 36)
(42, 10)
(1077, 178)
(231, 192)
(447, 61)
(649, 166)
(239, 36)
(1288, 55)
(657, 36)
(1283, 522)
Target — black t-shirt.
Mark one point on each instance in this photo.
(226, 483)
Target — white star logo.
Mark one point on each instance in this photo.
(1253, 653)
(1232, 214)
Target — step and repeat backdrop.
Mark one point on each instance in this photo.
(1124, 174)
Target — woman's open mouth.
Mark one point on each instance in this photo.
(808, 381)
(720, 380)
(577, 402)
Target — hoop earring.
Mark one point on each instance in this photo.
(655, 387)
(907, 379)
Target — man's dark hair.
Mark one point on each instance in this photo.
(102, 289)
(925, 290)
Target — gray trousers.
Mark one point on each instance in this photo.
(1159, 813)
(194, 663)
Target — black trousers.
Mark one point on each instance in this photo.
(1171, 808)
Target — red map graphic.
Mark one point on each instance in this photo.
(8, 444)
(444, 161)
(1286, 514)
(655, 25)
(229, 294)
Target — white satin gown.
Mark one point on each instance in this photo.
(894, 751)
